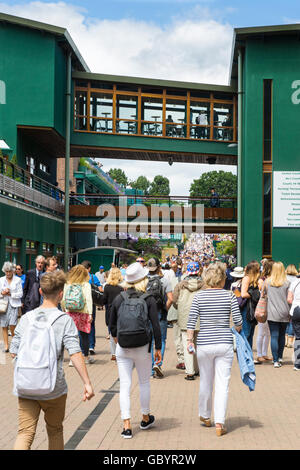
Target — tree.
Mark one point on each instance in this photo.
(119, 176)
(141, 183)
(160, 186)
(224, 182)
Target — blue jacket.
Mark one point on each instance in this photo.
(245, 359)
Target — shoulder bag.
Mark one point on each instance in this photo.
(261, 307)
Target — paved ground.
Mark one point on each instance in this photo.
(268, 418)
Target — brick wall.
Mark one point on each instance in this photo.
(61, 173)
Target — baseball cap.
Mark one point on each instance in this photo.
(153, 264)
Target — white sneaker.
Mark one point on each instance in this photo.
(277, 365)
(90, 360)
(71, 364)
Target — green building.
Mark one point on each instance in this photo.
(52, 106)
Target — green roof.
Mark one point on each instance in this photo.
(62, 33)
(152, 82)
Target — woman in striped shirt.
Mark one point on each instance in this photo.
(214, 306)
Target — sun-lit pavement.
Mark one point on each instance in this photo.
(268, 418)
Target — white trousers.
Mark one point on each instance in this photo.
(112, 346)
(178, 343)
(263, 339)
(190, 360)
(215, 362)
(126, 359)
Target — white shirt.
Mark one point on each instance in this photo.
(295, 289)
(16, 291)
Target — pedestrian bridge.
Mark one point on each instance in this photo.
(146, 214)
(146, 119)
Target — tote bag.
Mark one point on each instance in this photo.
(261, 307)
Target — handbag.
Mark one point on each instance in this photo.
(97, 296)
(3, 305)
(261, 307)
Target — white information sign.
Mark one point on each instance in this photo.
(286, 199)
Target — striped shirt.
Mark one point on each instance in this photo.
(214, 307)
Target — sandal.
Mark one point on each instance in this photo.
(206, 421)
(221, 431)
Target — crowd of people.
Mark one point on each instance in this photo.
(202, 300)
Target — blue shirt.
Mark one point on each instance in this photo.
(245, 359)
(94, 280)
(23, 279)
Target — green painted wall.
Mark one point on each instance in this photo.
(277, 59)
(147, 143)
(98, 257)
(25, 225)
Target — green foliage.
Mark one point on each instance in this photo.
(141, 183)
(224, 182)
(160, 186)
(226, 247)
(119, 176)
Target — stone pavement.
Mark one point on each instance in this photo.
(268, 418)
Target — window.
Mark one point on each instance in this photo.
(267, 219)
(81, 110)
(127, 114)
(176, 115)
(152, 111)
(12, 250)
(101, 112)
(152, 115)
(44, 168)
(267, 121)
(200, 119)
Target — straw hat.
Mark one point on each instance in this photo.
(238, 272)
(135, 272)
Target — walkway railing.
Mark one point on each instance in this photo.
(116, 200)
(18, 184)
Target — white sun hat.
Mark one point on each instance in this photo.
(135, 272)
(238, 272)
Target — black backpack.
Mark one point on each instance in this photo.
(133, 324)
(156, 289)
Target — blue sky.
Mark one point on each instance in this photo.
(188, 40)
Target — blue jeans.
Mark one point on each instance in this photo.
(290, 330)
(92, 335)
(277, 330)
(163, 329)
(248, 328)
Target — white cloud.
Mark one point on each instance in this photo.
(195, 48)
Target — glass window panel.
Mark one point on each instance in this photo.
(152, 111)
(200, 117)
(101, 125)
(127, 87)
(154, 91)
(101, 105)
(175, 112)
(267, 214)
(81, 83)
(127, 107)
(267, 120)
(102, 85)
(223, 116)
(222, 96)
(200, 94)
(80, 123)
(80, 103)
(126, 127)
(176, 92)
(8, 241)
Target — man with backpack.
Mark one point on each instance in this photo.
(39, 382)
(161, 289)
(132, 323)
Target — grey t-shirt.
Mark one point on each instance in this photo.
(66, 336)
(278, 308)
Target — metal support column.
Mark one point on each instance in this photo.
(239, 168)
(67, 159)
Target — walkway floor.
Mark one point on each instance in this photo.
(268, 418)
